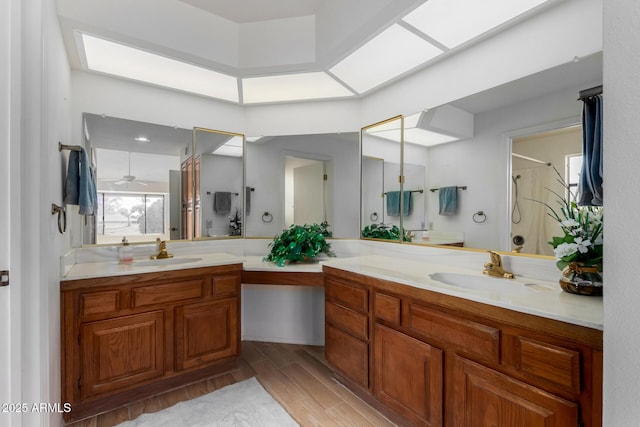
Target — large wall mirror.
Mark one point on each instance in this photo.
(303, 179)
(220, 199)
(156, 181)
(537, 119)
(138, 180)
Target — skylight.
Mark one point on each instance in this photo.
(119, 60)
(390, 54)
(291, 87)
(453, 23)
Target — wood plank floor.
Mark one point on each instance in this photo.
(297, 376)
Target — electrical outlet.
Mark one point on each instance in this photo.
(430, 225)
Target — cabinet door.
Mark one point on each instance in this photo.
(348, 355)
(408, 376)
(121, 352)
(206, 332)
(486, 398)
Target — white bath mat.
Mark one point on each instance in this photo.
(244, 404)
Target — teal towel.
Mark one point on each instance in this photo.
(448, 200)
(406, 203)
(393, 203)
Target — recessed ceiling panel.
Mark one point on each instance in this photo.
(388, 55)
(291, 87)
(123, 61)
(454, 22)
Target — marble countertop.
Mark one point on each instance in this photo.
(89, 270)
(536, 297)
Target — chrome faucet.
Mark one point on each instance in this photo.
(494, 268)
(162, 251)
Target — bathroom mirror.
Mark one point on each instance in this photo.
(382, 200)
(219, 192)
(308, 178)
(138, 179)
(481, 165)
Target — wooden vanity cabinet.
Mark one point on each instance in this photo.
(347, 329)
(129, 337)
(438, 360)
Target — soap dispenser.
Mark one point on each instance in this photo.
(125, 253)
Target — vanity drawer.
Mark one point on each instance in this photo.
(556, 365)
(468, 337)
(225, 285)
(348, 320)
(347, 295)
(387, 307)
(168, 292)
(103, 302)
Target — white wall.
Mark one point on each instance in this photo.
(621, 156)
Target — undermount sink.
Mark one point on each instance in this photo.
(165, 261)
(486, 283)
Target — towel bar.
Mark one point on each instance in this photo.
(433, 190)
(62, 146)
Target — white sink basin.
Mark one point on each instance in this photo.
(165, 261)
(486, 283)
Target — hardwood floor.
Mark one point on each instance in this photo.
(297, 376)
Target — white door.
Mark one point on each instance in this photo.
(308, 194)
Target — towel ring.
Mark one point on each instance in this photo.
(267, 217)
(373, 216)
(479, 217)
(62, 217)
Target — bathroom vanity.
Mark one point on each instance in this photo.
(430, 358)
(129, 336)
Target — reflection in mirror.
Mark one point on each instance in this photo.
(538, 162)
(218, 169)
(138, 180)
(382, 199)
(307, 196)
(284, 168)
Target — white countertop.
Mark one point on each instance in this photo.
(536, 297)
(90, 270)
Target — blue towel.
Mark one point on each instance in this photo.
(80, 185)
(448, 200)
(393, 203)
(406, 203)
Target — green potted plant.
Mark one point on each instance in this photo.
(579, 251)
(384, 231)
(299, 243)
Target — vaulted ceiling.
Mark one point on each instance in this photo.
(253, 51)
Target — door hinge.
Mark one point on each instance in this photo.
(79, 384)
(4, 278)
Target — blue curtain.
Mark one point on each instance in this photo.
(590, 185)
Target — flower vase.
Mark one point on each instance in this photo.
(580, 279)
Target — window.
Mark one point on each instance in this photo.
(574, 167)
(130, 214)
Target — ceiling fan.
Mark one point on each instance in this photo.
(127, 179)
